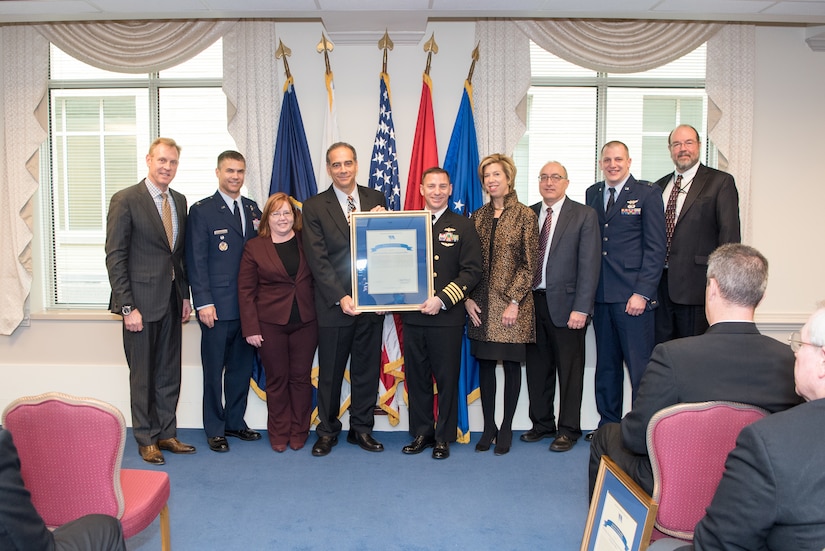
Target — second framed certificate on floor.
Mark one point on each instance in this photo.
(392, 262)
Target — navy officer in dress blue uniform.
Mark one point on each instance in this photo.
(632, 222)
(218, 227)
(432, 336)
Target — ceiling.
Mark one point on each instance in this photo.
(411, 16)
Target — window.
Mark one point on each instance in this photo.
(101, 124)
(573, 111)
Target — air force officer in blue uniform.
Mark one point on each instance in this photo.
(632, 221)
(218, 228)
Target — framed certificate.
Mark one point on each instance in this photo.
(392, 262)
(621, 514)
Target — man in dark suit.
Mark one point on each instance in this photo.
(632, 224)
(771, 494)
(701, 213)
(22, 527)
(731, 361)
(217, 229)
(145, 235)
(433, 335)
(343, 333)
(564, 289)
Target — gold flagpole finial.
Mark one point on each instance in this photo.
(385, 44)
(431, 48)
(282, 53)
(325, 46)
(473, 65)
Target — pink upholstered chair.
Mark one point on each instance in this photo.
(688, 445)
(70, 456)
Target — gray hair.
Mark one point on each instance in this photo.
(816, 327)
(741, 272)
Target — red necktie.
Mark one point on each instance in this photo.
(544, 237)
(670, 213)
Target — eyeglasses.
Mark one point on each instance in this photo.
(796, 343)
(686, 143)
(283, 214)
(555, 177)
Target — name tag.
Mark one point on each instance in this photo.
(220, 232)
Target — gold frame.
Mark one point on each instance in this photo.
(630, 496)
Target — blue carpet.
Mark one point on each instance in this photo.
(253, 498)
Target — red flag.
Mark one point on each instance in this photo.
(425, 151)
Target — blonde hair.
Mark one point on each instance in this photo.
(507, 165)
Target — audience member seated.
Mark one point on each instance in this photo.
(22, 528)
(772, 492)
(731, 361)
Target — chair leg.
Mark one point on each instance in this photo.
(165, 536)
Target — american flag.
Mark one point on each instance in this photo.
(384, 162)
(384, 178)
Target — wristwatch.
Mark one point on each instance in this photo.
(126, 309)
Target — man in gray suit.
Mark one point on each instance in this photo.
(564, 288)
(145, 235)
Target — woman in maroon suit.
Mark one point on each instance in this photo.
(275, 290)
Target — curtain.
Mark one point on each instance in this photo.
(25, 58)
(502, 78)
(729, 84)
(252, 88)
(627, 46)
(134, 46)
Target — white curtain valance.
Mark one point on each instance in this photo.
(134, 46)
(618, 46)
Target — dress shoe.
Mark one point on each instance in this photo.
(244, 434)
(151, 454)
(534, 435)
(589, 436)
(486, 440)
(365, 441)
(503, 442)
(562, 443)
(280, 448)
(296, 445)
(441, 450)
(175, 446)
(218, 444)
(324, 445)
(418, 445)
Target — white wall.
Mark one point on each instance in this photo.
(788, 169)
(82, 354)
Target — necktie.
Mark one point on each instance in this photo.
(350, 205)
(238, 216)
(166, 216)
(610, 200)
(670, 213)
(544, 237)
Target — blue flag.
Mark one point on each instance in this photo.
(461, 163)
(292, 173)
(292, 170)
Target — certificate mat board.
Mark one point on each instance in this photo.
(392, 263)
